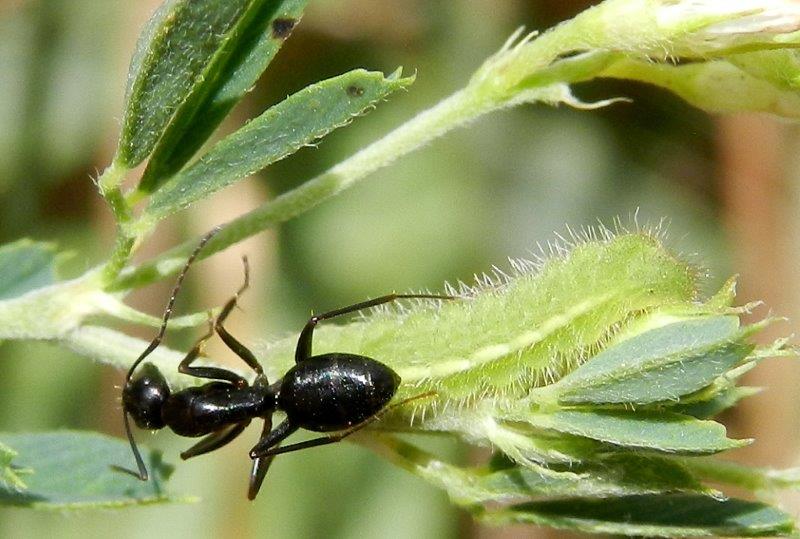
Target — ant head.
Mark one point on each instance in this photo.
(143, 397)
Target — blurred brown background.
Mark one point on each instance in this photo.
(728, 187)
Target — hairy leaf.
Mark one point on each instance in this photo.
(664, 432)
(515, 332)
(662, 364)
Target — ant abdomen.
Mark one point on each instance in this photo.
(335, 391)
(144, 397)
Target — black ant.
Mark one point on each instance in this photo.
(337, 392)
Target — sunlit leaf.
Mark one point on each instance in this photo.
(178, 54)
(662, 364)
(283, 129)
(224, 85)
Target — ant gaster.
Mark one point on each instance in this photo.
(335, 392)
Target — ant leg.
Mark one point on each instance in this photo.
(142, 475)
(260, 466)
(303, 351)
(154, 344)
(214, 373)
(215, 440)
(238, 348)
(271, 451)
(171, 303)
(272, 438)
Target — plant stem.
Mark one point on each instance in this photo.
(456, 110)
(123, 247)
(109, 186)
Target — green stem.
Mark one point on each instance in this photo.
(123, 247)
(109, 186)
(456, 110)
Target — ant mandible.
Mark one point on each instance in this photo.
(335, 392)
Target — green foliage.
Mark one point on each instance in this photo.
(73, 470)
(250, 49)
(585, 370)
(655, 431)
(525, 328)
(594, 372)
(191, 58)
(282, 130)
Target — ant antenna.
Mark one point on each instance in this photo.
(154, 344)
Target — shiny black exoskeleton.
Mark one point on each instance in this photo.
(335, 392)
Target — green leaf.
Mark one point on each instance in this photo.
(71, 470)
(178, 54)
(255, 47)
(282, 130)
(630, 475)
(678, 515)
(657, 431)
(658, 365)
(24, 266)
(617, 475)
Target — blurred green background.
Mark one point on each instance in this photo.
(724, 186)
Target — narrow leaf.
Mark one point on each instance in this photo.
(73, 470)
(283, 129)
(227, 83)
(658, 365)
(178, 49)
(657, 431)
(24, 266)
(678, 515)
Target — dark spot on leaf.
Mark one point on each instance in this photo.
(355, 91)
(281, 28)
